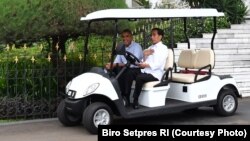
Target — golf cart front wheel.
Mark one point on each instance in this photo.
(97, 114)
(227, 103)
(65, 117)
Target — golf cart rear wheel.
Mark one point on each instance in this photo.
(227, 103)
(97, 114)
(66, 118)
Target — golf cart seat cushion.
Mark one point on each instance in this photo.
(150, 84)
(186, 78)
(186, 59)
(204, 57)
(170, 59)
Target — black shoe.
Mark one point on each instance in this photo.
(126, 102)
(136, 104)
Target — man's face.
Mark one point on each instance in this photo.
(155, 37)
(127, 38)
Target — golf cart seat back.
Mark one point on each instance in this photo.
(204, 57)
(167, 75)
(196, 64)
(170, 60)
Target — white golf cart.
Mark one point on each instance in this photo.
(94, 97)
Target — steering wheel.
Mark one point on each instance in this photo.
(132, 58)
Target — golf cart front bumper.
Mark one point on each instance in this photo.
(75, 107)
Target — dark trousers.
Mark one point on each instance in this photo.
(126, 79)
(141, 79)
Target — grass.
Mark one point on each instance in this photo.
(9, 120)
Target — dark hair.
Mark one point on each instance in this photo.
(159, 31)
(127, 31)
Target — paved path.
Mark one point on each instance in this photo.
(52, 130)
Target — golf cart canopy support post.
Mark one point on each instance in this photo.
(215, 32)
(114, 45)
(185, 32)
(86, 51)
(172, 34)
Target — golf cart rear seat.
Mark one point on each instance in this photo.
(197, 61)
(168, 73)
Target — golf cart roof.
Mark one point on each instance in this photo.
(150, 13)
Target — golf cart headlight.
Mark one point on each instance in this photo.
(91, 88)
(67, 87)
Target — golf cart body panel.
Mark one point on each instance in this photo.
(94, 84)
(150, 13)
(199, 91)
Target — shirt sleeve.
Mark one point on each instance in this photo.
(158, 59)
(138, 52)
(118, 59)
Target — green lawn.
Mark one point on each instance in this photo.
(8, 121)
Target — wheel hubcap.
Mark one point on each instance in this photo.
(101, 117)
(228, 103)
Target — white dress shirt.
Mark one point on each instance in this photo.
(133, 48)
(157, 60)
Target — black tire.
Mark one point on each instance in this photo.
(219, 108)
(66, 118)
(89, 113)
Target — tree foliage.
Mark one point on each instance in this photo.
(32, 20)
(144, 3)
(234, 9)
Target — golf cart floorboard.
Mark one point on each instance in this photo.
(171, 106)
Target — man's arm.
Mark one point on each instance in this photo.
(159, 59)
(144, 65)
(118, 59)
(117, 62)
(146, 53)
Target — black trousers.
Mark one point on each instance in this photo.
(126, 79)
(141, 79)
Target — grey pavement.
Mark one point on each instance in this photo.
(52, 130)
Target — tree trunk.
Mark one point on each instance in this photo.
(60, 41)
(58, 48)
(58, 52)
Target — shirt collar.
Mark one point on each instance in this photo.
(130, 45)
(158, 44)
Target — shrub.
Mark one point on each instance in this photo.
(195, 28)
(234, 9)
(31, 85)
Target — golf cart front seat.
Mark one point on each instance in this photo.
(197, 61)
(155, 92)
(167, 75)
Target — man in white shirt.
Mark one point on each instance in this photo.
(126, 79)
(152, 67)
